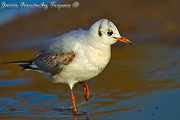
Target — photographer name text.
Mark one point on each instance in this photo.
(40, 6)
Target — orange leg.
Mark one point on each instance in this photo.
(73, 101)
(86, 90)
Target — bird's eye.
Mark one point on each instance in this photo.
(110, 33)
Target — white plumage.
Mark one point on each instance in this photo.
(78, 55)
(92, 52)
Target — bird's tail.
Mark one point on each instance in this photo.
(26, 65)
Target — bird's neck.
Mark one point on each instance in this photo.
(97, 44)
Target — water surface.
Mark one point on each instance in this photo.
(141, 82)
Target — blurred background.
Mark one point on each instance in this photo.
(140, 82)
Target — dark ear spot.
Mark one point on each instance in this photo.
(100, 33)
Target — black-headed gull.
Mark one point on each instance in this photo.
(77, 56)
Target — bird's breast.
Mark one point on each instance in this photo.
(87, 64)
(97, 58)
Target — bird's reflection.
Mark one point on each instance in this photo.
(69, 111)
(75, 116)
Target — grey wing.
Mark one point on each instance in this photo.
(58, 53)
(53, 64)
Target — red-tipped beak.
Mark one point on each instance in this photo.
(123, 39)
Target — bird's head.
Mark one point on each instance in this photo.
(106, 32)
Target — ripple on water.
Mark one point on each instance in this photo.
(15, 82)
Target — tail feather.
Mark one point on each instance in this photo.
(18, 62)
(26, 65)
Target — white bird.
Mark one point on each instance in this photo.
(77, 56)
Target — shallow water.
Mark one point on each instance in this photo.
(141, 82)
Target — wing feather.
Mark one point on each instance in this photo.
(53, 64)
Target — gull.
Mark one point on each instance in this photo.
(76, 56)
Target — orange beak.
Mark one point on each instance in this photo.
(125, 40)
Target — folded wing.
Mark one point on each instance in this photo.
(53, 64)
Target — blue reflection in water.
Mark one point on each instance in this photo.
(14, 82)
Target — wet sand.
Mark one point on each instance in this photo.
(154, 20)
(140, 82)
